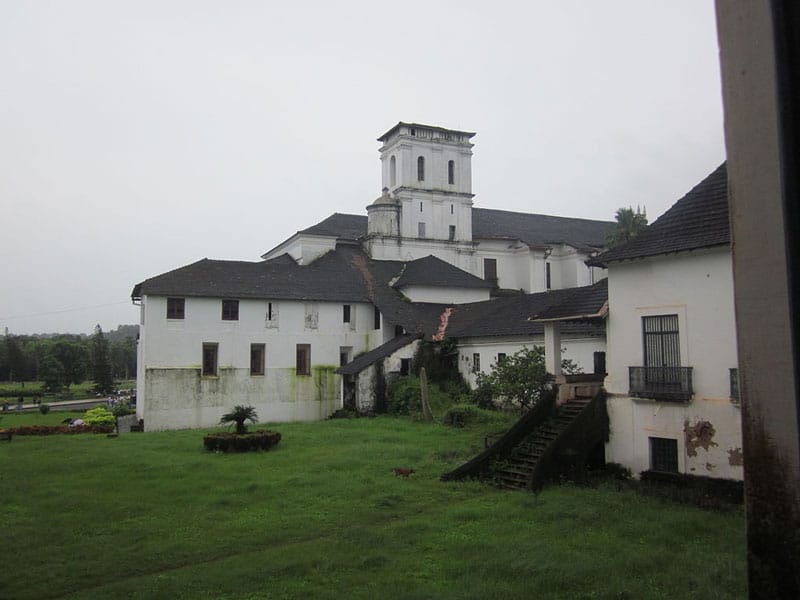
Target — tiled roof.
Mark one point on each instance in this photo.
(587, 302)
(434, 271)
(369, 358)
(539, 230)
(340, 225)
(698, 220)
(514, 316)
(533, 229)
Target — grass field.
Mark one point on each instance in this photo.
(154, 516)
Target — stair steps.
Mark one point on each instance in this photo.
(514, 471)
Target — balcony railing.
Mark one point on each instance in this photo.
(734, 377)
(673, 384)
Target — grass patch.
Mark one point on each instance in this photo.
(322, 515)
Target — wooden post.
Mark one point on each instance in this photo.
(423, 391)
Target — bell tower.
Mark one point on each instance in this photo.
(427, 170)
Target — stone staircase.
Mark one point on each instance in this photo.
(547, 443)
(516, 470)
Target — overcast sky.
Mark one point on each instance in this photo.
(140, 136)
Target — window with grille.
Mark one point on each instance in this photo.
(663, 455)
(661, 341)
(476, 363)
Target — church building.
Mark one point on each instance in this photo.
(305, 330)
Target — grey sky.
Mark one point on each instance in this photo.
(137, 137)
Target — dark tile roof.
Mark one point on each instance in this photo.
(539, 230)
(436, 272)
(343, 275)
(698, 220)
(533, 229)
(340, 225)
(588, 301)
(514, 316)
(360, 363)
(328, 278)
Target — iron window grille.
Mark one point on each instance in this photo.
(663, 455)
(734, 380)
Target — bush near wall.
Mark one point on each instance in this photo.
(60, 429)
(241, 442)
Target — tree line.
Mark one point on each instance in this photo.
(59, 360)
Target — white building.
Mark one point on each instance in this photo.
(671, 342)
(272, 334)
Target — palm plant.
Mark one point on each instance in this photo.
(239, 415)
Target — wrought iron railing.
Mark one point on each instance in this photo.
(734, 377)
(673, 384)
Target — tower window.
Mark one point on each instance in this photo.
(393, 171)
(420, 230)
(451, 209)
(420, 207)
(451, 172)
(421, 168)
(452, 232)
(547, 281)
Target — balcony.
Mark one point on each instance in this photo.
(671, 384)
(734, 381)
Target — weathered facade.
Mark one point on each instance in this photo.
(672, 358)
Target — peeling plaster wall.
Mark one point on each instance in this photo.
(581, 350)
(698, 287)
(634, 421)
(366, 380)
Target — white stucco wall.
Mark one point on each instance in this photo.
(444, 295)
(171, 393)
(698, 287)
(580, 350)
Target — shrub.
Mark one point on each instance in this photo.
(403, 396)
(58, 429)
(44, 408)
(460, 415)
(121, 409)
(238, 416)
(99, 415)
(241, 442)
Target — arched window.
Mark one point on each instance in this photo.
(421, 168)
(392, 171)
(451, 172)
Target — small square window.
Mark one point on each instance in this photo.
(303, 366)
(176, 308)
(210, 352)
(345, 313)
(664, 455)
(230, 310)
(257, 356)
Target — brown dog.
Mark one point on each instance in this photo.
(403, 472)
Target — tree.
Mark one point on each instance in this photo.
(73, 358)
(239, 415)
(629, 225)
(518, 379)
(102, 374)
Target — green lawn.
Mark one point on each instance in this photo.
(154, 516)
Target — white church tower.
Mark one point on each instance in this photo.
(426, 205)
